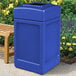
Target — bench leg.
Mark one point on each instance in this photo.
(6, 50)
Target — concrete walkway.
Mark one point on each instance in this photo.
(9, 70)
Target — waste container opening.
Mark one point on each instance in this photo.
(39, 4)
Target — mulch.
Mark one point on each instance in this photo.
(68, 60)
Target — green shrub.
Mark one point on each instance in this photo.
(68, 29)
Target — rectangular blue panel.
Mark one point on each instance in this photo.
(28, 42)
(52, 41)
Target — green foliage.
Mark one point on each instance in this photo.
(1, 40)
(68, 28)
(68, 7)
(11, 40)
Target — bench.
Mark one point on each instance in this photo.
(6, 31)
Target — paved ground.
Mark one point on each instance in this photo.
(61, 70)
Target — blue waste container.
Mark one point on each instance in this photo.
(37, 36)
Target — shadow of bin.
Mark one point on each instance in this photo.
(37, 36)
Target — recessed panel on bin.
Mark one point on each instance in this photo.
(52, 41)
(28, 42)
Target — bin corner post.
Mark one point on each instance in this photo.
(42, 46)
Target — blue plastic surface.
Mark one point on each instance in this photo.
(37, 37)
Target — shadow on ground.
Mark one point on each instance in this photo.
(62, 69)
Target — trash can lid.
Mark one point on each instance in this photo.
(37, 11)
(38, 5)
